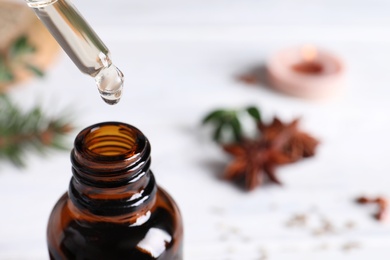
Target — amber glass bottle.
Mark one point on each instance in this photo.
(114, 209)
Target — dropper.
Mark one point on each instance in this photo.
(82, 45)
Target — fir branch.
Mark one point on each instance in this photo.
(35, 70)
(16, 58)
(23, 131)
(21, 47)
(6, 74)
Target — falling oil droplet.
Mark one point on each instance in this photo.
(110, 84)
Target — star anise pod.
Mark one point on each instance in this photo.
(293, 142)
(252, 161)
(278, 144)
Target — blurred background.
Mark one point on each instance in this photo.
(181, 59)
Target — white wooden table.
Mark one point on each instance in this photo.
(180, 59)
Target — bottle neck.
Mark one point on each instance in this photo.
(111, 175)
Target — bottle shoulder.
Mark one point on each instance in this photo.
(65, 209)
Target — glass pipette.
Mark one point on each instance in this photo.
(82, 45)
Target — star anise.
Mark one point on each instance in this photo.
(277, 144)
(253, 160)
(292, 142)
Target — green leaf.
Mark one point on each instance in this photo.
(254, 113)
(214, 116)
(21, 47)
(236, 128)
(218, 132)
(38, 72)
(230, 119)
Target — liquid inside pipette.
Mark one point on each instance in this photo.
(82, 45)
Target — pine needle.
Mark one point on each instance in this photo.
(29, 131)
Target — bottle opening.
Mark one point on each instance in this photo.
(111, 141)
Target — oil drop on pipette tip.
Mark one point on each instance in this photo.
(110, 84)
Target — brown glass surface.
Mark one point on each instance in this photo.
(114, 209)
